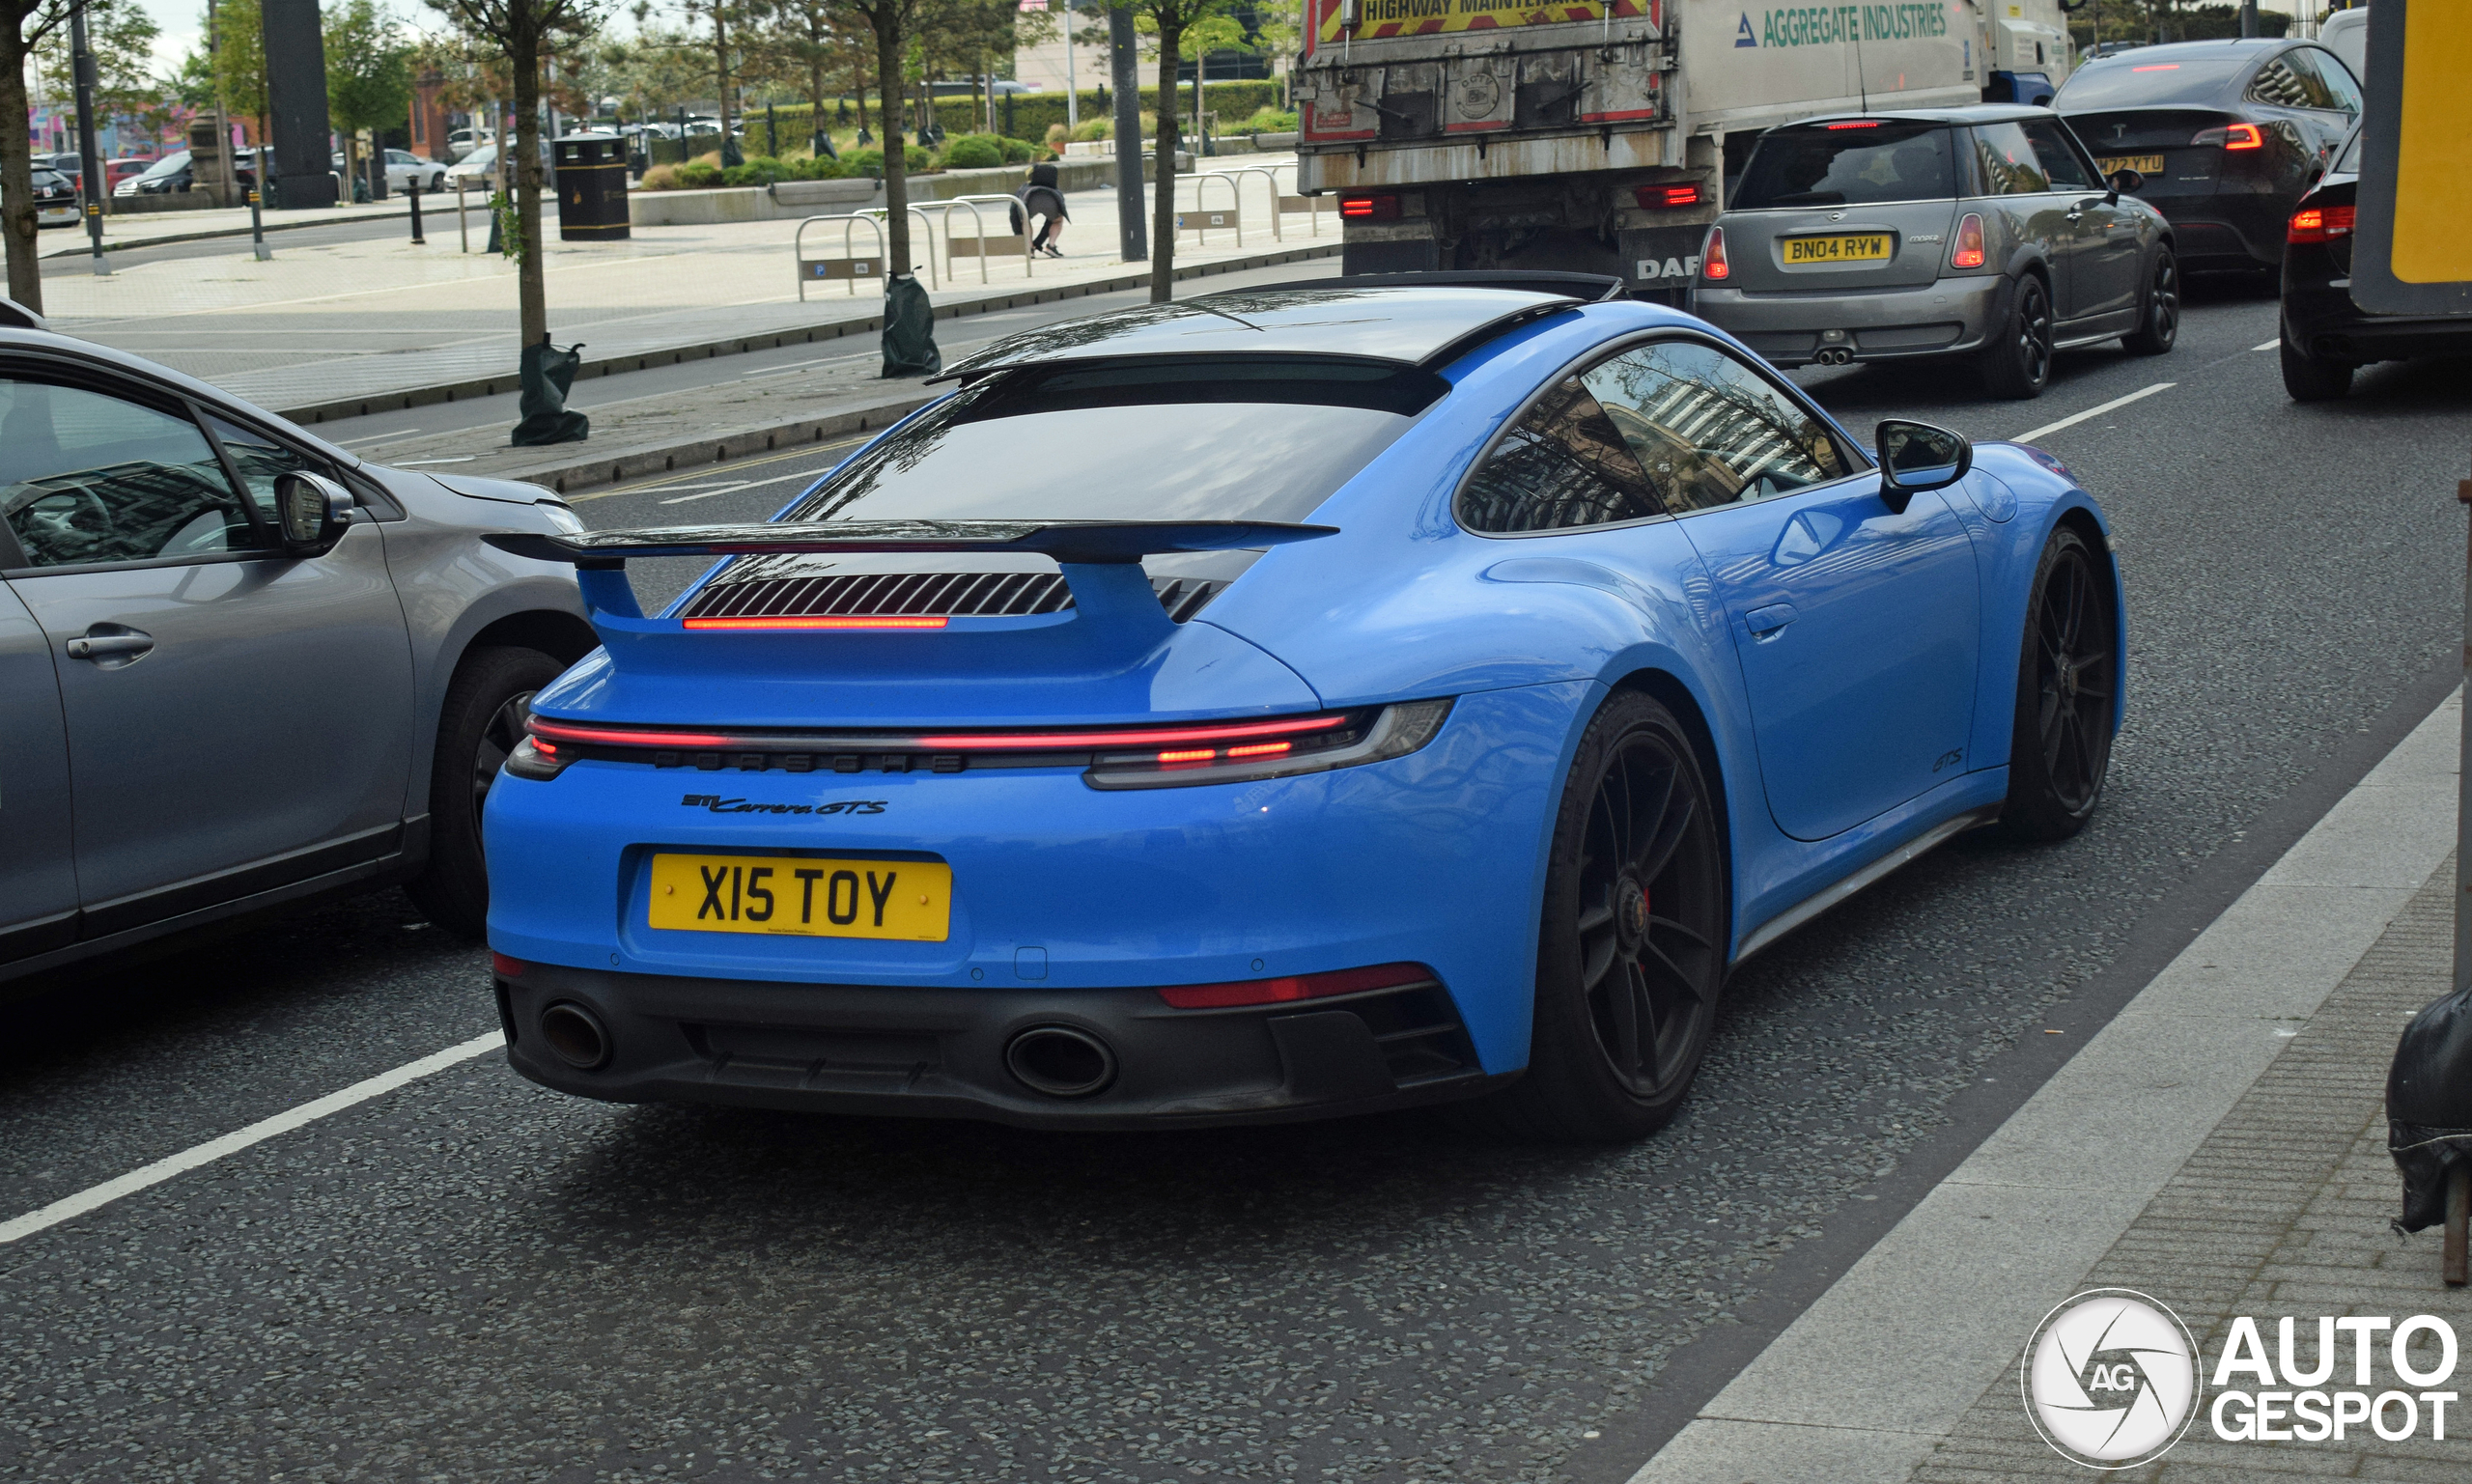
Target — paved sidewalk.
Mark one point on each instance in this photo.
(2218, 1146)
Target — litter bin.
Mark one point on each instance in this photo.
(592, 188)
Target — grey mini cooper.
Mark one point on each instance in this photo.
(240, 668)
(1984, 232)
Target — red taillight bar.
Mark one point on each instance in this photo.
(630, 736)
(815, 622)
(1000, 740)
(1854, 124)
(973, 742)
(2319, 224)
(1273, 991)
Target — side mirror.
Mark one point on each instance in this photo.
(1914, 457)
(2127, 181)
(312, 511)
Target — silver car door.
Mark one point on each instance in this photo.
(238, 716)
(38, 881)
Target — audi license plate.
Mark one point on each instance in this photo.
(1848, 247)
(803, 895)
(2143, 165)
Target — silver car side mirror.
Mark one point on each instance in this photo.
(1916, 456)
(312, 511)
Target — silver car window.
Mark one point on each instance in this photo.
(1708, 430)
(90, 478)
(2010, 165)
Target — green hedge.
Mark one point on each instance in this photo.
(1030, 115)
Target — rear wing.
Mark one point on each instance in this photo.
(600, 557)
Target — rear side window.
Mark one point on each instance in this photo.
(2334, 81)
(1708, 430)
(1216, 439)
(2284, 85)
(1856, 163)
(1562, 467)
(2059, 157)
(2127, 82)
(2007, 161)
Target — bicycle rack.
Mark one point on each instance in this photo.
(846, 266)
(1310, 206)
(1204, 218)
(980, 242)
(1230, 176)
(879, 214)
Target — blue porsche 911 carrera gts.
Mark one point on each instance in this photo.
(1281, 703)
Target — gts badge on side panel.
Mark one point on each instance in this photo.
(1949, 760)
(714, 803)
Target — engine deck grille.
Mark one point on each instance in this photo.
(939, 594)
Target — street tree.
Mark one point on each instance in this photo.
(1174, 26)
(122, 36)
(889, 22)
(26, 27)
(369, 73)
(237, 41)
(525, 33)
(726, 18)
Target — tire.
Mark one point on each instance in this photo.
(2159, 323)
(2068, 678)
(2016, 366)
(1633, 937)
(438, 183)
(2307, 379)
(478, 726)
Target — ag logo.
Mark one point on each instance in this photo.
(2110, 1379)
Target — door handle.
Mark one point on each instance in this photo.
(124, 644)
(1768, 622)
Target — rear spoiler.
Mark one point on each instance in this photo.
(600, 557)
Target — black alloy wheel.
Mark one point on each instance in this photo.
(1631, 952)
(2158, 329)
(2016, 364)
(2066, 685)
(481, 723)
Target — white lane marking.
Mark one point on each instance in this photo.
(775, 371)
(458, 459)
(2071, 422)
(70, 1207)
(707, 494)
(379, 437)
(2275, 343)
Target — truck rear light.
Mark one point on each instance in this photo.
(1712, 257)
(1370, 207)
(1665, 198)
(1968, 252)
(2233, 136)
(1295, 987)
(2319, 224)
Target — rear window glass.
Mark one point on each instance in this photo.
(2141, 77)
(1191, 440)
(1848, 166)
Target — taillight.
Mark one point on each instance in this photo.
(2233, 136)
(1854, 124)
(505, 968)
(1370, 207)
(880, 621)
(1968, 252)
(1665, 198)
(1712, 257)
(2319, 224)
(1325, 743)
(1280, 991)
(538, 760)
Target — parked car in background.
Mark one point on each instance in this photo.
(170, 173)
(116, 171)
(2326, 336)
(2227, 136)
(198, 598)
(464, 141)
(405, 170)
(55, 199)
(477, 166)
(1983, 231)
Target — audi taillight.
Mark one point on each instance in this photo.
(1968, 252)
(1370, 207)
(1295, 987)
(1712, 257)
(2319, 224)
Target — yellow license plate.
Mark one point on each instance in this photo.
(1852, 247)
(2143, 165)
(803, 896)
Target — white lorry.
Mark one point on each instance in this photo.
(1598, 136)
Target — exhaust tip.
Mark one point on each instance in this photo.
(1835, 355)
(1060, 1061)
(575, 1036)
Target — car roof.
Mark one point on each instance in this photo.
(1409, 325)
(1968, 113)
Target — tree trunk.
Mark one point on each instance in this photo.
(17, 175)
(722, 71)
(859, 71)
(531, 296)
(896, 173)
(1163, 214)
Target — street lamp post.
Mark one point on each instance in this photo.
(90, 172)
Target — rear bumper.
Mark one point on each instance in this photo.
(2227, 230)
(906, 1052)
(2328, 326)
(1951, 317)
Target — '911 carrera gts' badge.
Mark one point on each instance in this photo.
(714, 803)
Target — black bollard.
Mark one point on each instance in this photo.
(414, 191)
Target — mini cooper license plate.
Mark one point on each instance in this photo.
(803, 896)
(2143, 165)
(1850, 247)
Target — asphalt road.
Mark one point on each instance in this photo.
(473, 1279)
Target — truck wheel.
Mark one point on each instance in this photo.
(2016, 365)
(1631, 951)
(478, 726)
(2158, 327)
(2308, 379)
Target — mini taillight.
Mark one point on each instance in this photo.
(2317, 224)
(2233, 136)
(1665, 198)
(1712, 257)
(505, 968)
(1370, 207)
(1273, 991)
(1968, 252)
(1854, 124)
